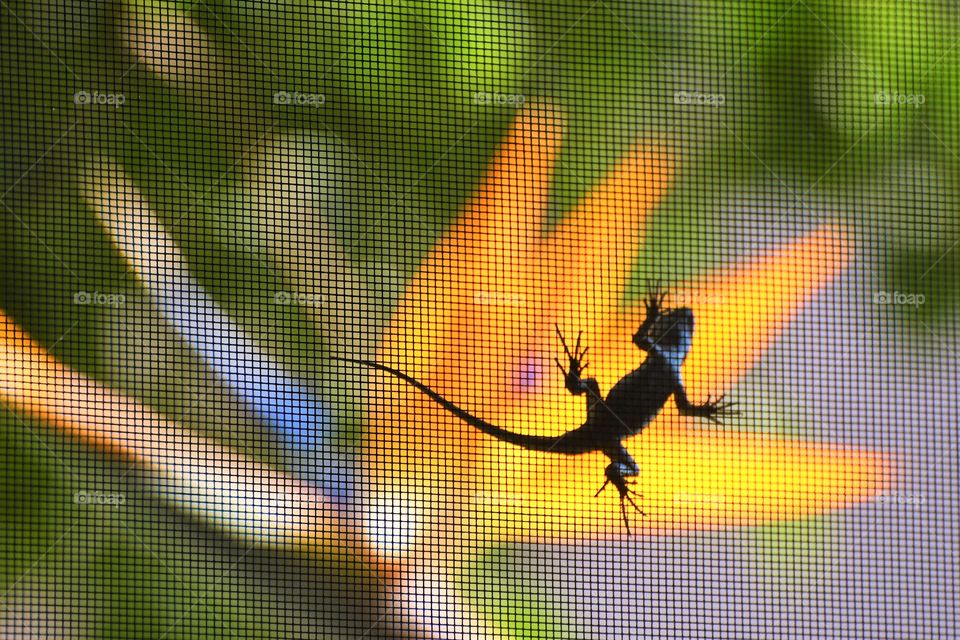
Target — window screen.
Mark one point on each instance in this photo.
(479, 319)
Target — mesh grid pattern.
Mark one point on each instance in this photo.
(331, 319)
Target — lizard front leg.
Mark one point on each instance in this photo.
(654, 311)
(573, 380)
(712, 410)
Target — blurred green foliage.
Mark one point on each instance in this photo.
(510, 597)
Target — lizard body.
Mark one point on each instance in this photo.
(630, 405)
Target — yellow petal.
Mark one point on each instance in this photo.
(496, 361)
(690, 479)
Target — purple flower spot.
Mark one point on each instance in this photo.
(529, 374)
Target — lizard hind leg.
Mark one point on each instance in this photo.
(616, 473)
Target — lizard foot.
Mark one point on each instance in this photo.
(714, 410)
(572, 376)
(653, 305)
(620, 482)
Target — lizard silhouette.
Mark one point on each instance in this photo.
(632, 403)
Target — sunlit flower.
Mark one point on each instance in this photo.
(477, 325)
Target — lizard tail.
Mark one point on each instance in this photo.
(535, 443)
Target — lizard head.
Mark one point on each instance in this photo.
(672, 333)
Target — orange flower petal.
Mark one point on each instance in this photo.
(690, 479)
(592, 250)
(430, 472)
(502, 226)
(740, 311)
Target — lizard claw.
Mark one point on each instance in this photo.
(654, 300)
(715, 410)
